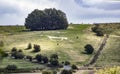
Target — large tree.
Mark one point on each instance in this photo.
(48, 19)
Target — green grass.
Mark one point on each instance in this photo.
(111, 53)
(70, 49)
(20, 64)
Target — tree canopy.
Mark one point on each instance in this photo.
(47, 19)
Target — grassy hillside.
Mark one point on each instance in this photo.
(111, 53)
(70, 48)
(68, 44)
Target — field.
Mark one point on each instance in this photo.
(68, 44)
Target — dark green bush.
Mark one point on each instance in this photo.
(29, 46)
(20, 50)
(74, 67)
(45, 59)
(19, 55)
(14, 49)
(29, 57)
(38, 57)
(54, 62)
(99, 33)
(36, 48)
(67, 63)
(98, 30)
(66, 72)
(89, 49)
(11, 67)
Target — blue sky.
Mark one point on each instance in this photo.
(14, 12)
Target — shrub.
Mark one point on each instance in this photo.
(1, 43)
(54, 56)
(38, 57)
(29, 57)
(19, 55)
(13, 54)
(74, 67)
(11, 67)
(98, 30)
(29, 46)
(20, 50)
(54, 62)
(14, 49)
(67, 63)
(36, 48)
(100, 33)
(66, 72)
(45, 59)
(89, 49)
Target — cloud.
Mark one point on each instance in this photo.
(86, 11)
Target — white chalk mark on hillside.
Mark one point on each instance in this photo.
(58, 38)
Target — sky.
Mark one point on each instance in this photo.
(14, 12)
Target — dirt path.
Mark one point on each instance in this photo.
(95, 57)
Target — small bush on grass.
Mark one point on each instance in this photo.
(98, 30)
(20, 50)
(29, 46)
(74, 67)
(67, 63)
(89, 49)
(66, 72)
(38, 57)
(36, 48)
(11, 67)
(14, 49)
(45, 59)
(29, 58)
(54, 62)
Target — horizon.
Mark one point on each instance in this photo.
(77, 11)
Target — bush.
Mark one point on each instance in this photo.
(67, 63)
(45, 59)
(14, 49)
(29, 57)
(11, 67)
(29, 46)
(20, 50)
(19, 55)
(38, 57)
(54, 56)
(1, 43)
(66, 72)
(98, 30)
(36, 48)
(54, 62)
(74, 67)
(100, 33)
(89, 49)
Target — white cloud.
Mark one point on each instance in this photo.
(87, 11)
